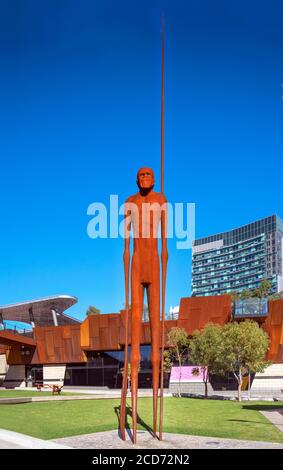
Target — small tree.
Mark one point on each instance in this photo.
(245, 294)
(277, 296)
(92, 311)
(206, 350)
(245, 345)
(256, 349)
(234, 295)
(177, 350)
(263, 290)
(167, 361)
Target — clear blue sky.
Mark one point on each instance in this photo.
(80, 112)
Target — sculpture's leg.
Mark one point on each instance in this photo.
(125, 372)
(123, 401)
(137, 308)
(154, 313)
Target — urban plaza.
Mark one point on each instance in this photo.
(141, 243)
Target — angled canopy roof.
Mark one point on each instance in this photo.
(39, 311)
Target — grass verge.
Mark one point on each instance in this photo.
(213, 418)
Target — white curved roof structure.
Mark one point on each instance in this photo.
(46, 311)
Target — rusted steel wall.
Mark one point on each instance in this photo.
(274, 327)
(196, 312)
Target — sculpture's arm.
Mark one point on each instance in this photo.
(127, 269)
(164, 251)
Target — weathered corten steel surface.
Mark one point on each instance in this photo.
(58, 344)
(273, 325)
(14, 339)
(107, 332)
(14, 344)
(101, 332)
(15, 357)
(145, 213)
(66, 344)
(196, 312)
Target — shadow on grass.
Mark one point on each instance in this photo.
(248, 421)
(263, 407)
(129, 414)
(201, 397)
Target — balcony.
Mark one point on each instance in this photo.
(18, 328)
(250, 308)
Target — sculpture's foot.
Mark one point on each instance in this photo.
(134, 436)
(134, 402)
(154, 433)
(155, 402)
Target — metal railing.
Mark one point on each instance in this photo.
(16, 328)
(253, 307)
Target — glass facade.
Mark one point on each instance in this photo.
(250, 308)
(34, 374)
(239, 259)
(105, 369)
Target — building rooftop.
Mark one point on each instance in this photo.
(270, 223)
(41, 312)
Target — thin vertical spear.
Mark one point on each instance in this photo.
(162, 112)
(163, 261)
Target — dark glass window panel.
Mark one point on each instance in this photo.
(68, 376)
(95, 359)
(36, 374)
(79, 377)
(145, 380)
(113, 358)
(95, 377)
(110, 377)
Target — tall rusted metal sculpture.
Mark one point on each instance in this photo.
(145, 213)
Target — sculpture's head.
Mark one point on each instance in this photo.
(145, 179)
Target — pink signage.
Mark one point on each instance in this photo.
(188, 374)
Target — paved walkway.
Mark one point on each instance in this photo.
(15, 440)
(276, 417)
(105, 392)
(85, 396)
(81, 394)
(111, 440)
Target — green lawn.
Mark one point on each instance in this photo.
(29, 393)
(181, 415)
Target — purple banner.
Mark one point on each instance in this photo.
(188, 374)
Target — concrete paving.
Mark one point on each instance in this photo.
(43, 398)
(110, 393)
(82, 394)
(276, 417)
(105, 392)
(15, 440)
(111, 440)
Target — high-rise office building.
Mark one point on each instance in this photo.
(239, 259)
